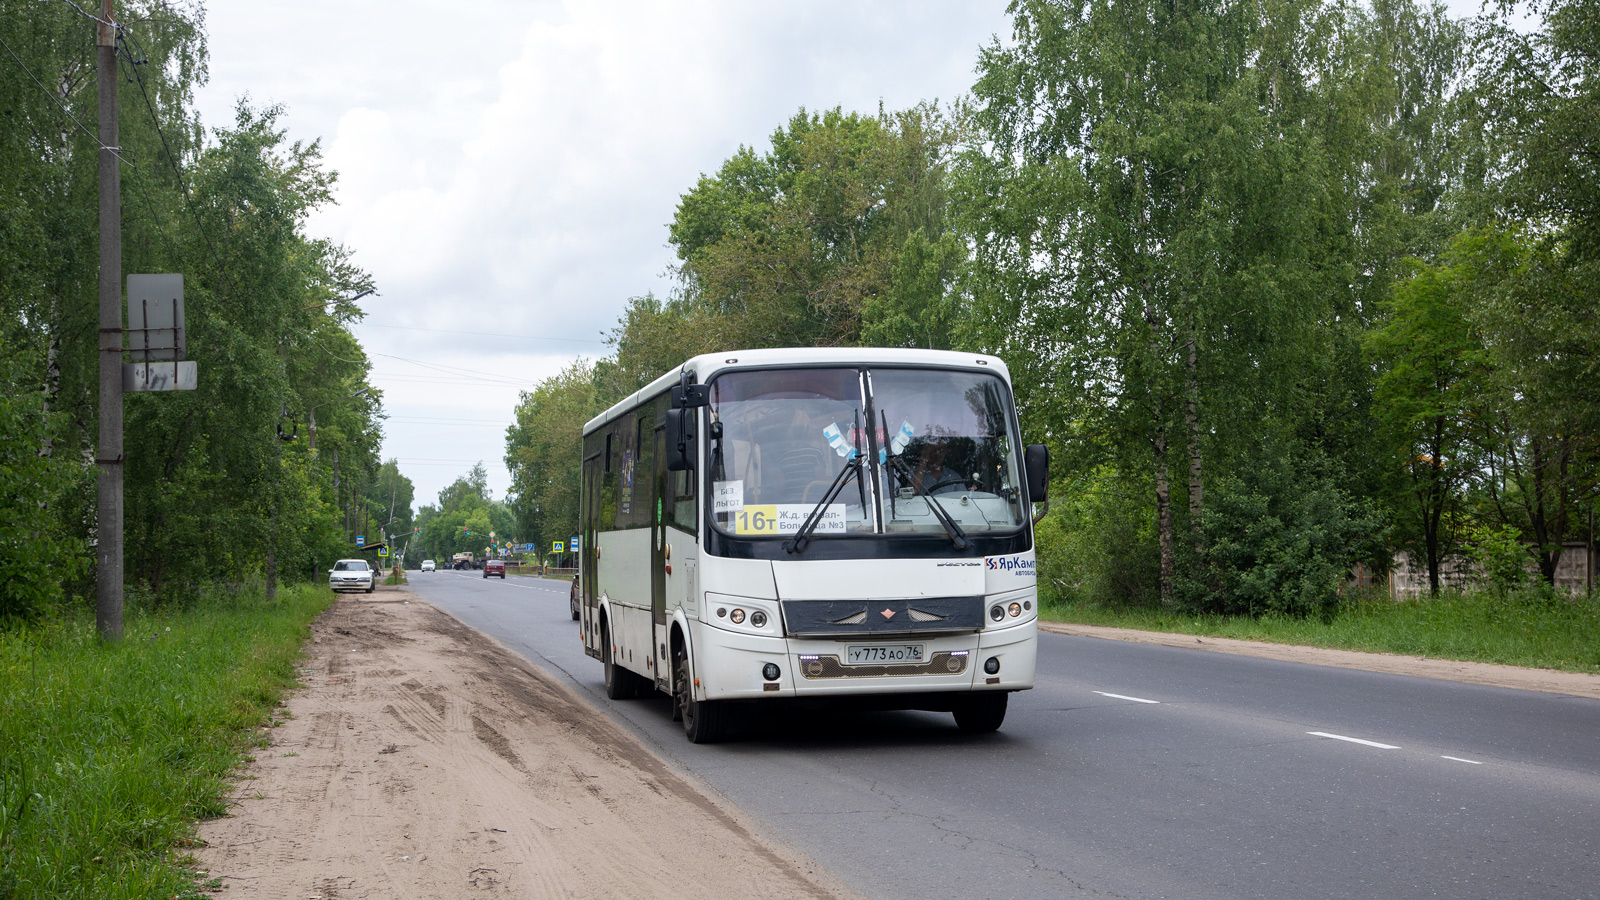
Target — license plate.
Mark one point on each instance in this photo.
(886, 654)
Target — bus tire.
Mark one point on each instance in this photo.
(704, 721)
(621, 684)
(981, 713)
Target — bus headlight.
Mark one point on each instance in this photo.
(736, 617)
(759, 620)
(997, 613)
(1015, 609)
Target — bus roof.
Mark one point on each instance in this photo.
(703, 367)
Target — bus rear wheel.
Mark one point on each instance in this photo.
(704, 721)
(621, 684)
(981, 713)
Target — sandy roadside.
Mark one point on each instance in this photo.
(1548, 680)
(421, 759)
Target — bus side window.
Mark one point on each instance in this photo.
(608, 483)
(684, 509)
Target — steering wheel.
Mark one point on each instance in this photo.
(947, 481)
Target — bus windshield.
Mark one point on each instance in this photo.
(900, 450)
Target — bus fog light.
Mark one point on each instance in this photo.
(996, 613)
(759, 620)
(736, 617)
(992, 665)
(770, 670)
(1015, 609)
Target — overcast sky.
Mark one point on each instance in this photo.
(508, 170)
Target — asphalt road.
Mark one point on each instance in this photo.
(1143, 771)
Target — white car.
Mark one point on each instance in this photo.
(351, 575)
(428, 566)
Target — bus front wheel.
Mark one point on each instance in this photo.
(981, 713)
(704, 721)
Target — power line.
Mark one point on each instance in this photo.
(509, 380)
(446, 419)
(133, 69)
(115, 151)
(456, 379)
(525, 337)
(90, 16)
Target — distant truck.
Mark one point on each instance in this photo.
(463, 561)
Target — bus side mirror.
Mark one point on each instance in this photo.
(1036, 460)
(680, 440)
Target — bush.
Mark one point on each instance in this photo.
(1506, 562)
(1281, 539)
(37, 553)
(1097, 545)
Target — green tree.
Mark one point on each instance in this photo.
(1537, 424)
(807, 244)
(1183, 216)
(218, 482)
(1428, 395)
(544, 449)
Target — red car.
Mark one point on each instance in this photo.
(494, 567)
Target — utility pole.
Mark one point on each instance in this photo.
(108, 536)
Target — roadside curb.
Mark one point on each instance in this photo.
(1550, 681)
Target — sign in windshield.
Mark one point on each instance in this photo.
(889, 450)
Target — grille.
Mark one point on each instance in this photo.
(918, 615)
(831, 667)
(856, 619)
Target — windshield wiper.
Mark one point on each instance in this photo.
(852, 468)
(899, 466)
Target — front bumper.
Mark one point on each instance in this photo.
(730, 664)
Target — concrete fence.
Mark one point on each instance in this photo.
(1408, 578)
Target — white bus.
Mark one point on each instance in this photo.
(814, 523)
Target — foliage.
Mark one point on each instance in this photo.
(837, 233)
(1283, 539)
(1096, 545)
(219, 482)
(38, 554)
(543, 452)
(1428, 400)
(1502, 556)
(465, 519)
(109, 753)
(1168, 258)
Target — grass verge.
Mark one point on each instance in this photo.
(1529, 629)
(110, 753)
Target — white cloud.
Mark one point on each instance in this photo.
(511, 168)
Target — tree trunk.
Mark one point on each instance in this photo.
(1434, 495)
(1191, 418)
(1164, 514)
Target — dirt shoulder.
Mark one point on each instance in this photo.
(421, 759)
(1548, 680)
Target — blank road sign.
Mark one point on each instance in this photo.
(155, 317)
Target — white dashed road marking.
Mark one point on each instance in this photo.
(1340, 737)
(1121, 697)
(1459, 759)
